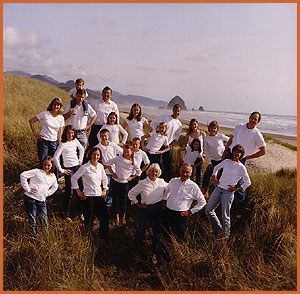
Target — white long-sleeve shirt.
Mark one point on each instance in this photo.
(92, 178)
(232, 172)
(124, 168)
(180, 195)
(110, 151)
(114, 131)
(151, 192)
(214, 147)
(68, 150)
(174, 126)
(43, 184)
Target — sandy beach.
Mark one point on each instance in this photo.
(276, 157)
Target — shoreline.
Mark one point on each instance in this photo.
(225, 130)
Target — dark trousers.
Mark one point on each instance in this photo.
(154, 158)
(119, 192)
(174, 222)
(93, 140)
(208, 173)
(151, 215)
(166, 160)
(95, 206)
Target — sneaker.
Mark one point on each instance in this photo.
(238, 216)
(68, 219)
(154, 259)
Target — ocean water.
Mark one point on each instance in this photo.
(272, 124)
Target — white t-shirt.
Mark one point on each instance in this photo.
(110, 151)
(174, 126)
(50, 125)
(156, 141)
(124, 168)
(103, 110)
(250, 139)
(190, 156)
(214, 147)
(232, 172)
(73, 92)
(92, 178)
(114, 131)
(140, 157)
(135, 127)
(80, 119)
(43, 184)
(68, 150)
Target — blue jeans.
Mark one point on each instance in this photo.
(46, 148)
(225, 197)
(108, 197)
(81, 136)
(150, 215)
(33, 207)
(199, 169)
(69, 192)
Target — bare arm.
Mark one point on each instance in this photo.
(227, 147)
(31, 123)
(261, 152)
(88, 126)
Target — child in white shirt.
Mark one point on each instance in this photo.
(42, 184)
(114, 129)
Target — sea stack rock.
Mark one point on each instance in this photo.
(176, 100)
(201, 108)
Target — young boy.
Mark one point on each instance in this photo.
(79, 84)
(108, 150)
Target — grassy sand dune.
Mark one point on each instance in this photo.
(260, 256)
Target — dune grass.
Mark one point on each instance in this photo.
(261, 254)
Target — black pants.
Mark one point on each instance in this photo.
(95, 206)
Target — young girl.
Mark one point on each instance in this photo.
(125, 171)
(194, 132)
(114, 129)
(223, 193)
(71, 163)
(213, 149)
(52, 126)
(136, 122)
(94, 190)
(192, 154)
(42, 183)
(156, 141)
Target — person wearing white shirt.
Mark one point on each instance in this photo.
(94, 190)
(151, 190)
(114, 129)
(109, 150)
(174, 131)
(213, 149)
(42, 184)
(52, 127)
(180, 194)
(251, 139)
(80, 116)
(136, 122)
(126, 170)
(140, 157)
(67, 149)
(103, 108)
(158, 143)
(79, 84)
(223, 193)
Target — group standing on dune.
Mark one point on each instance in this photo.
(107, 173)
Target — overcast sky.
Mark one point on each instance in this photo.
(231, 57)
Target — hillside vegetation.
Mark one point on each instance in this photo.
(261, 254)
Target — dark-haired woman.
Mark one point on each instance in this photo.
(52, 126)
(42, 183)
(95, 187)
(71, 163)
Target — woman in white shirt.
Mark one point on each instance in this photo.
(223, 193)
(71, 163)
(136, 122)
(125, 171)
(114, 129)
(52, 127)
(94, 191)
(42, 183)
(152, 191)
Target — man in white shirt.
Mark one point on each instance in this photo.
(103, 108)
(80, 118)
(173, 132)
(180, 194)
